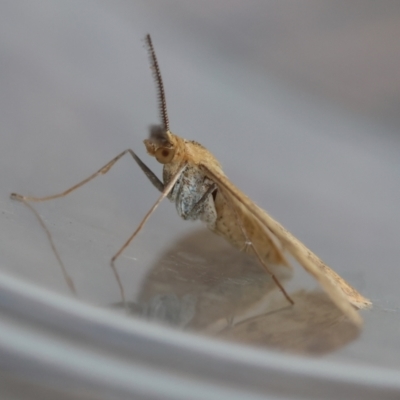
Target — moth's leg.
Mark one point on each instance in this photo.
(250, 243)
(200, 204)
(26, 199)
(148, 172)
(103, 170)
(164, 194)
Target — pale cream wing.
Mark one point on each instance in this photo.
(343, 295)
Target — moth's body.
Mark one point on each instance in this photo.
(190, 191)
(193, 203)
(191, 197)
(193, 179)
(202, 191)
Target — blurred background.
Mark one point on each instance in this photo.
(298, 100)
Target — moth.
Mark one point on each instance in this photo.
(194, 180)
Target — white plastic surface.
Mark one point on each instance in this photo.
(297, 104)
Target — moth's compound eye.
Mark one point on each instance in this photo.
(164, 155)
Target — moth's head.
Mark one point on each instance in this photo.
(161, 144)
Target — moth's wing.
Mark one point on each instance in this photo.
(240, 227)
(341, 293)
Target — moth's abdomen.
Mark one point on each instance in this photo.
(233, 220)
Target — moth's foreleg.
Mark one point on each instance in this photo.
(148, 172)
(103, 170)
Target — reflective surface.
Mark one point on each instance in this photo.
(297, 104)
(226, 294)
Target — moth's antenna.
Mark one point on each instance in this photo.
(159, 83)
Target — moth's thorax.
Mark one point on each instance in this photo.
(191, 199)
(191, 187)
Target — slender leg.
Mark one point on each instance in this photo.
(164, 194)
(200, 204)
(249, 243)
(103, 170)
(26, 199)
